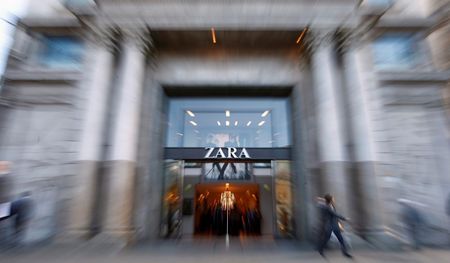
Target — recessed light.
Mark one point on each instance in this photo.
(227, 123)
(261, 123)
(249, 122)
(301, 35)
(264, 114)
(227, 113)
(235, 123)
(190, 113)
(218, 123)
(213, 35)
(193, 123)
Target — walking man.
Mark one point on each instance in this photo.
(21, 210)
(330, 224)
(412, 220)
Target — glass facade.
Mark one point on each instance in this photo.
(262, 188)
(228, 122)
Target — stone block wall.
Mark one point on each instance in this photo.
(40, 137)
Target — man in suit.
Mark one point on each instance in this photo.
(330, 224)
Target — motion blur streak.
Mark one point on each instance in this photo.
(224, 130)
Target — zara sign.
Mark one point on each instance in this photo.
(228, 152)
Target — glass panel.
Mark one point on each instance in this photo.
(172, 199)
(238, 122)
(61, 52)
(218, 171)
(283, 192)
(394, 52)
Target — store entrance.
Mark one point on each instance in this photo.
(237, 204)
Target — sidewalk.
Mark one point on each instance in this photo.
(213, 251)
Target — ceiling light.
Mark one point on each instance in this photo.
(227, 113)
(249, 122)
(301, 35)
(178, 133)
(190, 113)
(235, 123)
(213, 34)
(264, 114)
(227, 123)
(218, 123)
(193, 123)
(261, 123)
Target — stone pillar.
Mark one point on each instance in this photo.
(367, 213)
(120, 178)
(332, 158)
(99, 67)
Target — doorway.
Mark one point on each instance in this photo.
(235, 204)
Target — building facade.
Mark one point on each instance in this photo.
(139, 120)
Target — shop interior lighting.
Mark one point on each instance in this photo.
(227, 123)
(248, 123)
(264, 114)
(218, 123)
(302, 35)
(213, 35)
(227, 113)
(261, 123)
(190, 113)
(193, 123)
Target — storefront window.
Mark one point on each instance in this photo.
(228, 123)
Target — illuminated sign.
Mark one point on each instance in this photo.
(226, 153)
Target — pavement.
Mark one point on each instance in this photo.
(212, 251)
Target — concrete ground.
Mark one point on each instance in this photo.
(212, 251)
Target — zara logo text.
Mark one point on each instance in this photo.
(228, 152)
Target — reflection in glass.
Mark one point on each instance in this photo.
(172, 204)
(283, 191)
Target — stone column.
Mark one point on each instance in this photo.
(367, 212)
(332, 158)
(99, 67)
(120, 178)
